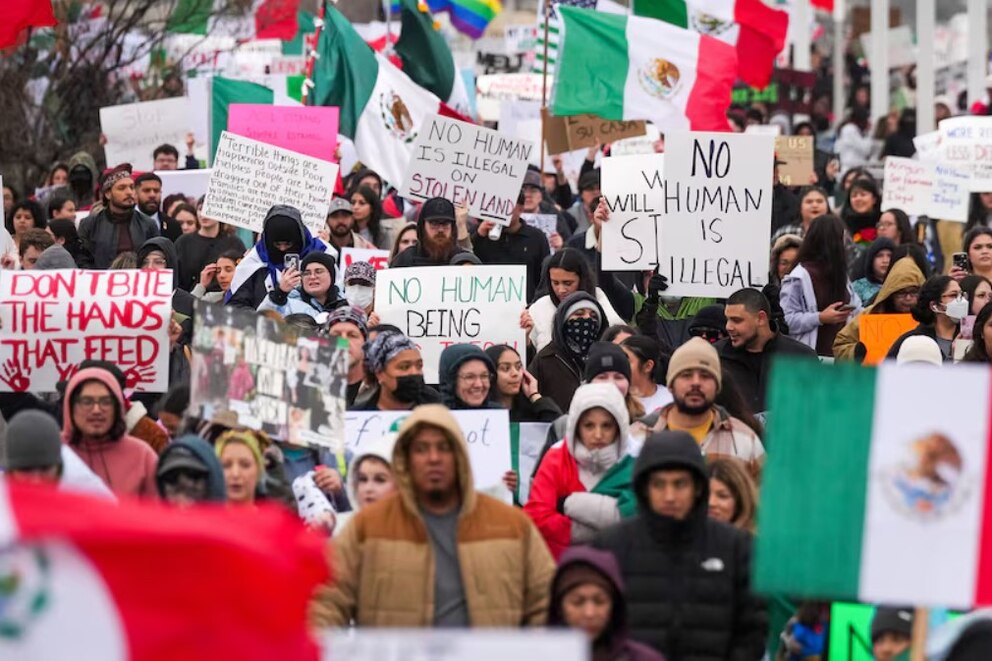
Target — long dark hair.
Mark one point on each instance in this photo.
(573, 261)
(66, 230)
(969, 237)
(375, 212)
(978, 214)
(858, 221)
(977, 352)
(931, 292)
(824, 245)
(906, 234)
(33, 208)
(806, 190)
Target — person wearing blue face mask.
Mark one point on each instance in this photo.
(939, 310)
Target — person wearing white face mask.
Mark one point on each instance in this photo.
(359, 286)
(939, 310)
(584, 483)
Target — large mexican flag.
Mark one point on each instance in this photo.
(82, 578)
(627, 67)
(877, 486)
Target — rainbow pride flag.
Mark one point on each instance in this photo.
(469, 17)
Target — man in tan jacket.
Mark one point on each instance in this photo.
(436, 553)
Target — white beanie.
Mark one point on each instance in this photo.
(919, 349)
(598, 395)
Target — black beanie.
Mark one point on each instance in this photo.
(322, 258)
(897, 620)
(283, 228)
(711, 316)
(605, 357)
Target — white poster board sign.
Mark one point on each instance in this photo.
(250, 176)
(718, 210)
(967, 141)
(907, 185)
(531, 437)
(134, 130)
(436, 306)
(927, 146)
(454, 644)
(50, 321)
(470, 165)
(379, 259)
(191, 183)
(487, 434)
(949, 197)
(634, 189)
(546, 222)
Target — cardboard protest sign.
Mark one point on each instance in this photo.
(555, 132)
(717, 212)
(50, 321)
(796, 154)
(308, 130)
(907, 185)
(634, 189)
(436, 306)
(487, 434)
(250, 176)
(379, 259)
(191, 183)
(259, 373)
(878, 332)
(967, 141)
(546, 222)
(470, 165)
(588, 130)
(134, 130)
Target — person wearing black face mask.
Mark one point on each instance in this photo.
(579, 321)
(398, 367)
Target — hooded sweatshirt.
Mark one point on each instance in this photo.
(126, 464)
(614, 643)
(417, 256)
(182, 301)
(576, 491)
(84, 198)
(216, 489)
(452, 358)
(868, 285)
(258, 273)
(381, 449)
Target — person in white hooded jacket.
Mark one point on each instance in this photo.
(370, 476)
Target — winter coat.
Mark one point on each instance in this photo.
(125, 463)
(99, 235)
(197, 251)
(384, 560)
(904, 273)
(416, 256)
(754, 385)
(542, 312)
(688, 582)
(800, 306)
(853, 147)
(568, 509)
(452, 358)
(614, 644)
(299, 302)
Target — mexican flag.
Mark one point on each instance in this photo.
(86, 578)
(17, 15)
(877, 486)
(756, 30)
(272, 19)
(382, 109)
(627, 67)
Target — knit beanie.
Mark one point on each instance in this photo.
(322, 258)
(582, 304)
(55, 257)
(361, 273)
(352, 315)
(577, 575)
(711, 316)
(34, 440)
(895, 620)
(282, 228)
(697, 353)
(605, 357)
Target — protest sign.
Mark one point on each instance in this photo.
(796, 155)
(134, 130)
(927, 146)
(878, 332)
(379, 259)
(717, 212)
(642, 145)
(250, 176)
(191, 183)
(764, 129)
(949, 198)
(587, 130)
(546, 222)
(436, 306)
(555, 133)
(520, 38)
(528, 440)
(50, 321)
(487, 434)
(494, 88)
(967, 141)
(634, 190)
(308, 130)
(456, 644)
(470, 165)
(908, 185)
(259, 373)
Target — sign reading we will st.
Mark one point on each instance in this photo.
(250, 176)
(634, 189)
(308, 130)
(472, 166)
(717, 212)
(436, 306)
(50, 321)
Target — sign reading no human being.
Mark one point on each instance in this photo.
(470, 165)
(717, 212)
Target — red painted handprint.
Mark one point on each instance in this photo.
(136, 375)
(16, 378)
(66, 371)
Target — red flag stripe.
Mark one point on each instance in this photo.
(710, 96)
(983, 578)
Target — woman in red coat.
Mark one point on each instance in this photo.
(584, 482)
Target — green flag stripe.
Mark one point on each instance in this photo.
(226, 91)
(813, 495)
(424, 52)
(594, 42)
(671, 11)
(190, 17)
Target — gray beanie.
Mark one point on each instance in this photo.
(55, 257)
(34, 440)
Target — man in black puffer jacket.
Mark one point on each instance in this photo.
(688, 576)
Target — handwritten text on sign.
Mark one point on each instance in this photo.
(250, 176)
(312, 131)
(634, 188)
(53, 320)
(907, 185)
(134, 130)
(470, 165)
(967, 141)
(379, 259)
(717, 212)
(437, 306)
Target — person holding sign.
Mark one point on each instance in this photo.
(584, 485)
(119, 227)
(438, 553)
(398, 368)
(309, 290)
(285, 240)
(437, 238)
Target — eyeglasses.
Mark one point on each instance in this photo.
(314, 273)
(90, 402)
(471, 378)
(154, 261)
